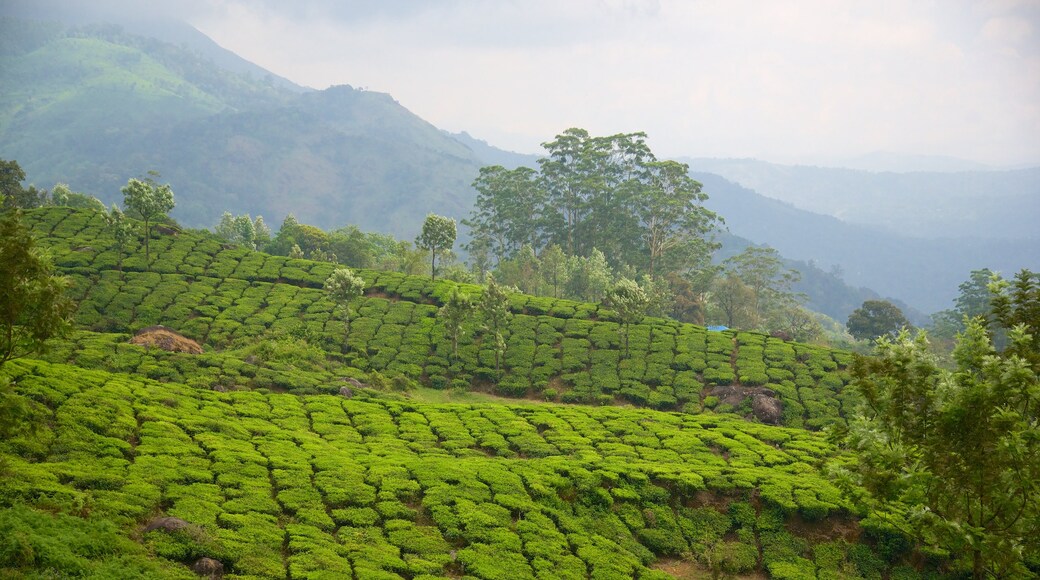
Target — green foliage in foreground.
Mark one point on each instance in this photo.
(555, 349)
(279, 485)
(954, 457)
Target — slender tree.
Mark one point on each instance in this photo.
(494, 306)
(554, 268)
(147, 200)
(455, 311)
(438, 235)
(122, 232)
(670, 211)
(629, 302)
(343, 286)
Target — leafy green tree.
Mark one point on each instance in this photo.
(33, 305)
(438, 235)
(342, 287)
(494, 307)
(974, 297)
(673, 219)
(1017, 304)
(876, 318)
(237, 229)
(762, 269)
(589, 278)
(455, 311)
(507, 208)
(122, 232)
(629, 302)
(554, 268)
(12, 194)
(308, 238)
(522, 270)
(732, 302)
(797, 323)
(261, 233)
(147, 200)
(11, 178)
(60, 194)
(952, 458)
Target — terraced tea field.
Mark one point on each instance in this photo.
(280, 485)
(555, 349)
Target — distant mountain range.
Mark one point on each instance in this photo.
(991, 204)
(93, 105)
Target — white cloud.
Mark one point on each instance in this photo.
(789, 80)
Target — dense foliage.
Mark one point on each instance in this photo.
(953, 458)
(33, 305)
(362, 482)
(275, 485)
(563, 350)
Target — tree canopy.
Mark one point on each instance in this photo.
(33, 305)
(595, 193)
(437, 236)
(952, 458)
(342, 287)
(876, 318)
(147, 200)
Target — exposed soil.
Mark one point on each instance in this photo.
(166, 339)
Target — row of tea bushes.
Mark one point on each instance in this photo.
(79, 243)
(280, 363)
(667, 364)
(278, 485)
(555, 350)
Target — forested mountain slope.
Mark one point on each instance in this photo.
(924, 273)
(95, 104)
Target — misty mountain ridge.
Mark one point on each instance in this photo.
(94, 105)
(991, 204)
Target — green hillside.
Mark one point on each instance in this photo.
(94, 105)
(269, 468)
(555, 349)
(321, 486)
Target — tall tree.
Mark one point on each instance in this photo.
(494, 307)
(12, 194)
(589, 278)
(455, 311)
(1016, 304)
(876, 318)
(733, 302)
(343, 287)
(11, 178)
(438, 235)
(671, 214)
(554, 268)
(952, 458)
(148, 200)
(33, 305)
(507, 209)
(762, 269)
(629, 302)
(122, 232)
(261, 233)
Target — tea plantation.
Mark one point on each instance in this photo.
(555, 349)
(145, 462)
(281, 485)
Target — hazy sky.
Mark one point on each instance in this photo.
(785, 81)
